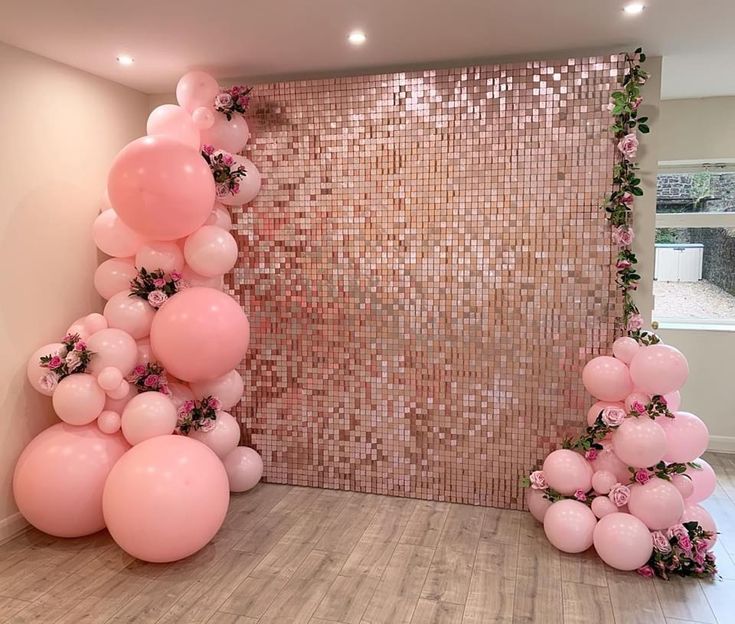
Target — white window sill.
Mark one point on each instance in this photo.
(697, 324)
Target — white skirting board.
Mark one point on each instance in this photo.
(721, 444)
(12, 526)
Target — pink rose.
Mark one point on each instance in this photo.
(214, 403)
(139, 371)
(661, 542)
(208, 149)
(175, 276)
(623, 264)
(613, 416)
(638, 407)
(235, 90)
(80, 346)
(228, 160)
(159, 282)
(157, 298)
(627, 198)
(243, 101)
(635, 322)
(619, 494)
(628, 146)
(636, 103)
(49, 382)
(151, 381)
(580, 495)
(73, 361)
(223, 100)
(591, 455)
(207, 424)
(680, 533)
(54, 362)
(186, 407)
(642, 476)
(646, 571)
(235, 188)
(623, 235)
(538, 480)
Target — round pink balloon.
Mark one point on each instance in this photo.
(703, 479)
(228, 135)
(597, 408)
(569, 526)
(607, 378)
(161, 188)
(659, 369)
(687, 437)
(78, 399)
(658, 504)
(174, 122)
(220, 217)
(166, 498)
(164, 255)
(120, 392)
(249, 185)
(131, 314)
(684, 484)
(193, 278)
(567, 471)
(200, 334)
(109, 422)
(114, 276)
(228, 389)
(636, 397)
(60, 476)
(608, 461)
(537, 503)
(223, 438)
(673, 400)
(179, 393)
(113, 237)
(109, 378)
(118, 405)
(602, 506)
(210, 251)
(625, 348)
(112, 347)
(87, 325)
(36, 373)
(244, 468)
(203, 117)
(603, 481)
(697, 513)
(639, 442)
(622, 541)
(148, 415)
(196, 89)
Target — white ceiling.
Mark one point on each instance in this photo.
(271, 38)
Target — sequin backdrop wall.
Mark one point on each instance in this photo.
(426, 270)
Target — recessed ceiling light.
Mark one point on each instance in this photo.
(357, 37)
(125, 59)
(634, 8)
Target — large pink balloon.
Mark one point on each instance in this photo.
(569, 526)
(161, 188)
(625, 348)
(607, 378)
(608, 461)
(639, 442)
(210, 251)
(228, 389)
(567, 471)
(113, 237)
(697, 513)
(228, 135)
(703, 479)
(60, 476)
(148, 415)
(659, 369)
(112, 347)
(174, 122)
(200, 334)
(249, 185)
(78, 399)
(687, 437)
(537, 503)
(36, 372)
(595, 410)
(164, 255)
(114, 276)
(658, 504)
(166, 498)
(223, 438)
(623, 541)
(244, 468)
(195, 89)
(131, 314)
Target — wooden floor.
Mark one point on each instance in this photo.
(290, 554)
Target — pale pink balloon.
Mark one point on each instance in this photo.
(223, 438)
(87, 325)
(537, 503)
(192, 278)
(622, 541)
(118, 405)
(109, 378)
(607, 378)
(603, 481)
(608, 461)
(114, 276)
(625, 348)
(161, 188)
(78, 399)
(164, 255)
(113, 237)
(210, 251)
(228, 135)
(200, 334)
(569, 526)
(244, 468)
(673, 400)
(249, 185)
(659, 369)
(697, 513)
(687, 437)
(60, 476)
(220, 217)
(166, 498)
(112, 347)
(203, 117)
(174, 122)
(639, 442)
(179, 393)
(35, 372)
(228, 388)
(145, 355)
(567, 471)
(636, 397)
(703, 479)
(109, 422)
(602, 506)
(196, 89)
(131, 314)
(684, 484)
(595, 410)
(120, 392)
(658, 504)
(148, 415)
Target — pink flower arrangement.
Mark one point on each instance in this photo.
(660, 542)
(619, 494)
(226, 171)
(642, 476)
(683, 551)
(538, 480)
(613, 416)
(623, 235)
(156, 286)
(72, 357)
(628, 146)
(149, 377)
(197, 415)
(233, 100)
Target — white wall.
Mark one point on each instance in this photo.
(60, 129)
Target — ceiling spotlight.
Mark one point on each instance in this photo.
(634, 8)
(357, 37)
(125, 59)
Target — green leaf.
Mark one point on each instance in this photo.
(644, 129)
(637, 191)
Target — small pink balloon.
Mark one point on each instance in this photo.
(229, 135)
(603, 506)
(220, 217)
(603, 481)
(174, 122)
(119, 393)
(639, 442)
(228, 388)
(165, 482)
(87, 325)
(673, 400)
(112, 347)
(203, 117)
(687, 437)
(131, 314)
(78, 400)
(210, 251)
(109, 378)
(636, 397)
(164, 255)
(569, 526)
(38, 376)
(697, 513)
(249, 185)
(196, 89)
(109, 422)
(113, 237)
(657, 503)
(244, 468)
(607, 378)
(597, 408)
(703, 479)
(193, 278)
(608, 461)
(537, 503)
(625, 348)
(114, 276)
(179, 393)
(684, 484)
(659, 369)
(148, 415)
(118, 405)
(622, 541)
(567, 471)
(223, 438)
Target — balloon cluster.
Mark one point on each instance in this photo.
(165, 348)
(631, 484)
